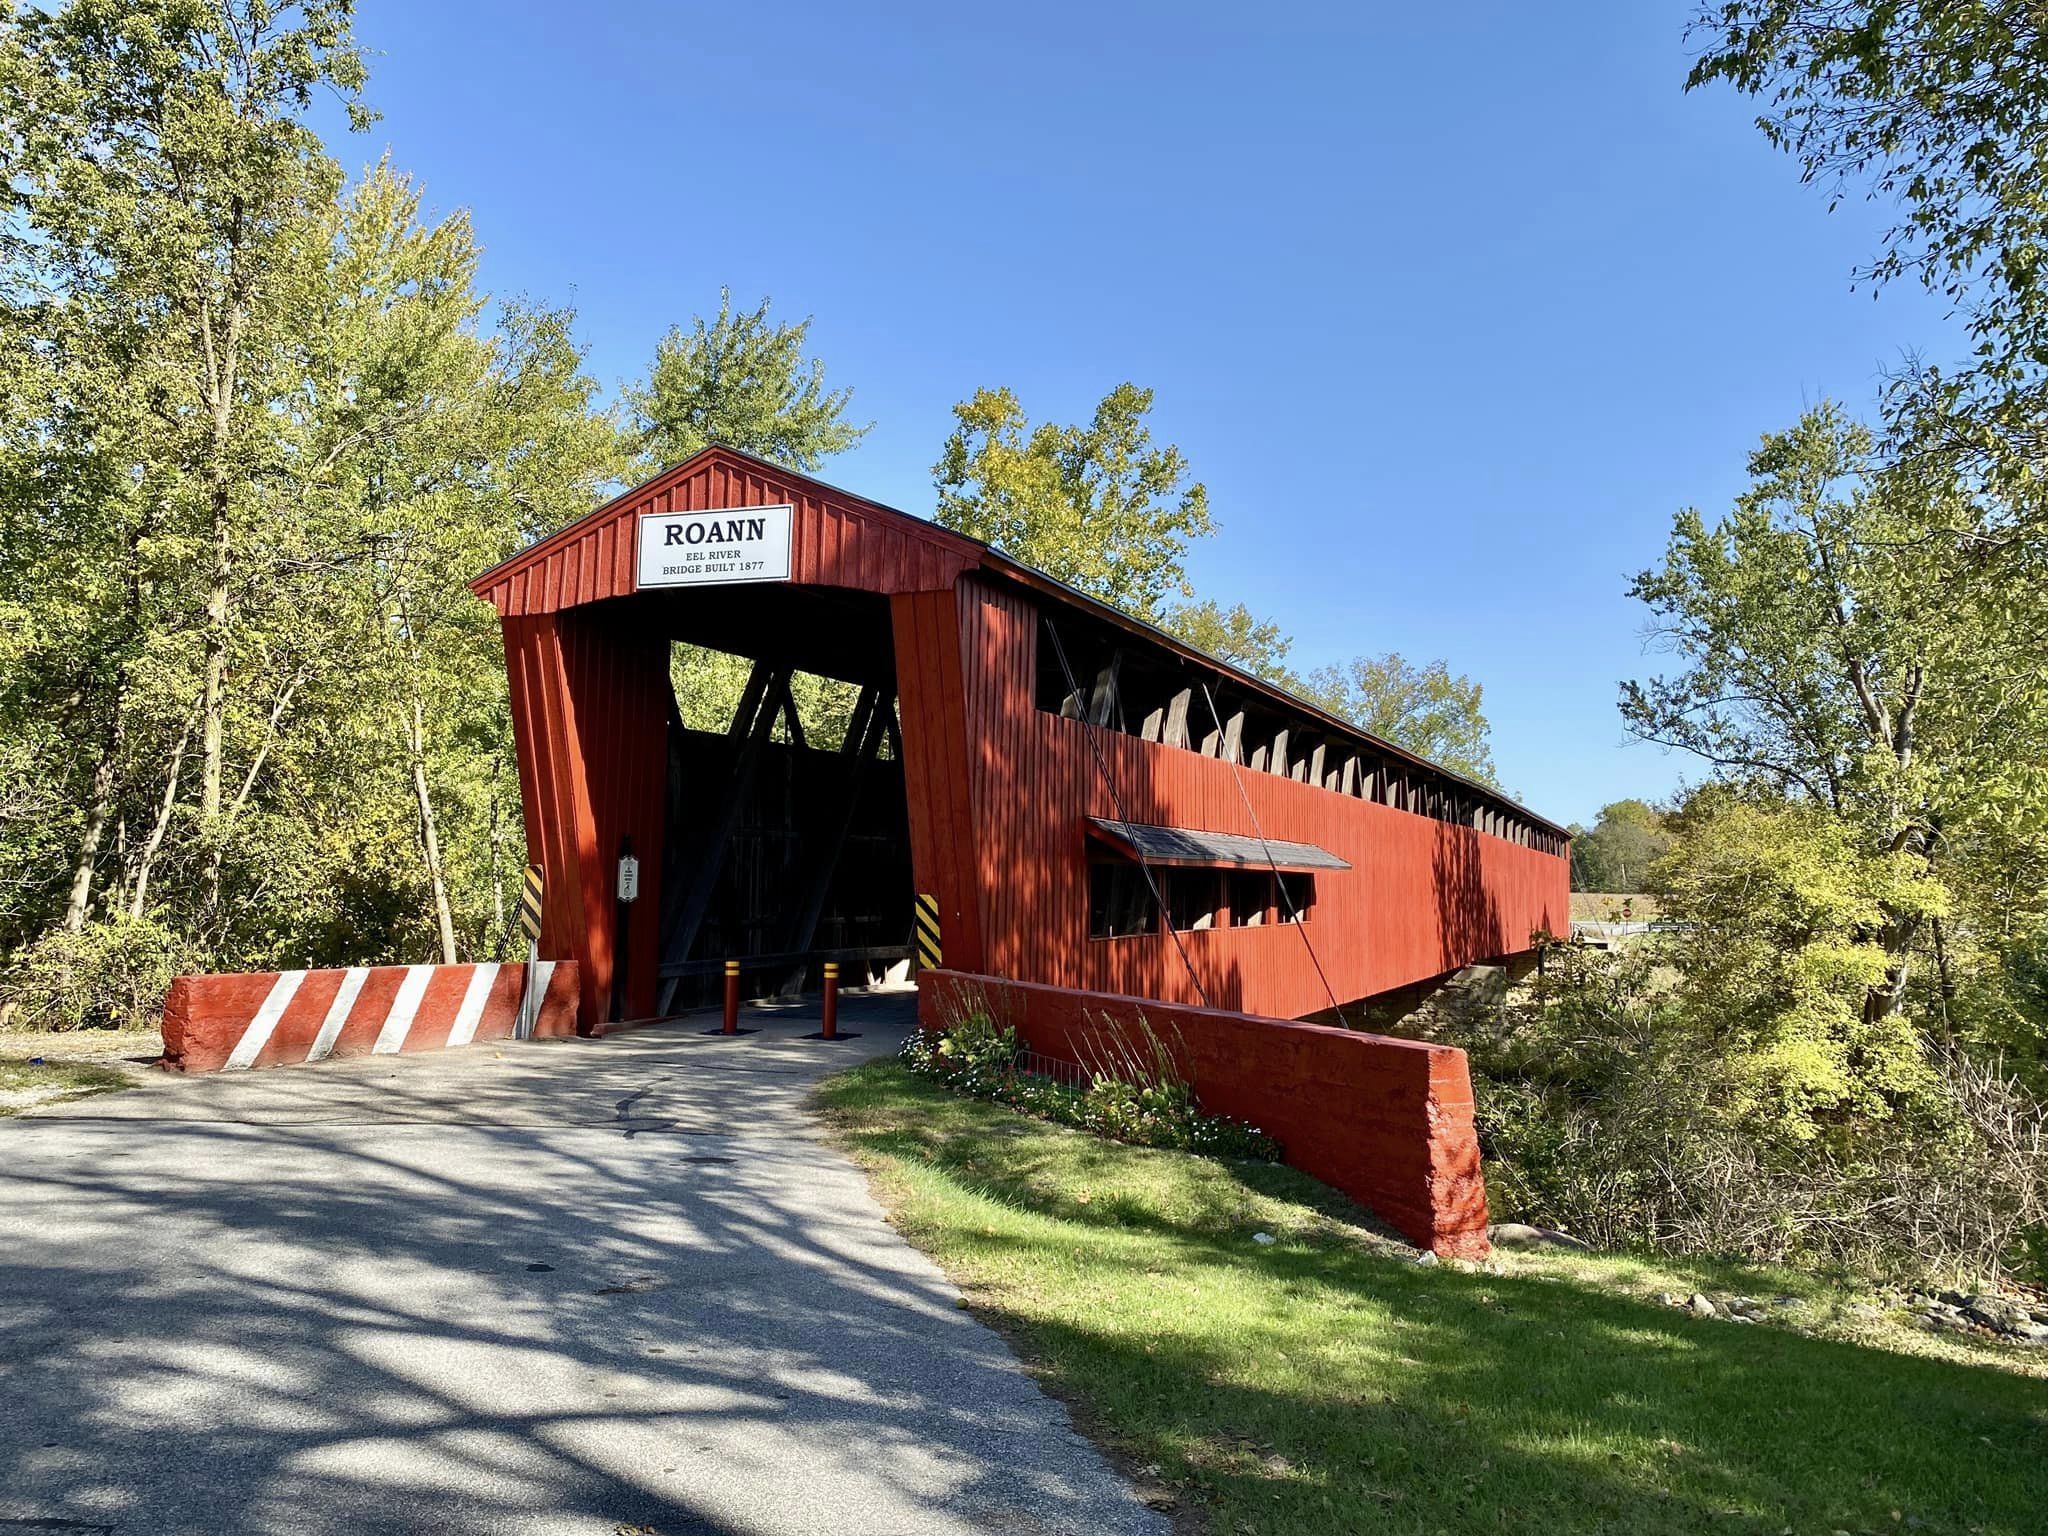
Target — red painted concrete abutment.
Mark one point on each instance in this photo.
(1387, 1121)
(224, 1023)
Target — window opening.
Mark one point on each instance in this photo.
(1297, 897)
(1193, 897)
(1251, 898)
(1119, 901)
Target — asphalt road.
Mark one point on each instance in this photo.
(555, 1287)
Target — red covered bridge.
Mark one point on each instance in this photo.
(1034, 762)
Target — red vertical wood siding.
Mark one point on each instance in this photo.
(590, 712)
(1422, 897)
(548, 766)
(837, 540)
(944, 835)
(999, 791)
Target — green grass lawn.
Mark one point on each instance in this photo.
(23, 1086)
(1325, 1384)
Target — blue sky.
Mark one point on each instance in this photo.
(1451, 308)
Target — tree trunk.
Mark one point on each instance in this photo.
(98, 812)
(213, 692)
(225, 825)
(1896, 937)
(1898, 929)
(1947, 979)
(1884, 1001)
(213, 698)
(138, 899)
(222, 381)
(117, 894)
(499, 936)
(430, 838)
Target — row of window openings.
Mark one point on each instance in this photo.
(1291, 754)
(1120, 903)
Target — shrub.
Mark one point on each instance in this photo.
(1134, 1095)
(974, 1054)
(1622, 1109)
(1825, 1061)
(111, 974)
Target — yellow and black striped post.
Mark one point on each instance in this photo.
(931, 954)
(529, 904)
(529, 925)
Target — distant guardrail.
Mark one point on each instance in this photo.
(1599, 933)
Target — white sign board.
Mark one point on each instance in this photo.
(629, 878)
(703, 549)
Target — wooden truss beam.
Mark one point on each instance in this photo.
(873, 715)
(766, 694)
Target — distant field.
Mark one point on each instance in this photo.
(1605, 907)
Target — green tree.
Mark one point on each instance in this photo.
(440, 448)
(1616, 854)
(166, 182)
(1840, 643)
(1936, 110)
(1934, 106)
(83, 566)
(1785, 913)
(255, 435)
(740, 381)
(1427, 709)
(1235, 635)
(1721, 1089)
(1097, 506)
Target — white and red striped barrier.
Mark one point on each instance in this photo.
(278, 1018)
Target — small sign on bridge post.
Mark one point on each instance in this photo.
(628, 891)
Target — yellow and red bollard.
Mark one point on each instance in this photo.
(828, 1009)
(732, 998)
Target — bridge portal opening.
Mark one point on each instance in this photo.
(786, 831)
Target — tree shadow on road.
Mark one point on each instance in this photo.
(690, 1321)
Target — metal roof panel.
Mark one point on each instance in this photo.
(1184, 845)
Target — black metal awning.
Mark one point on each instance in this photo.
(1210, 850)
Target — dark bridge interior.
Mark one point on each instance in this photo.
(787, 832)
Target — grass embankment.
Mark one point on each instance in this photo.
(1326, 1384)
(74, 1063)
